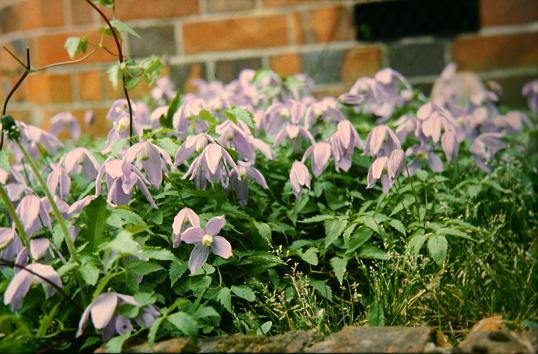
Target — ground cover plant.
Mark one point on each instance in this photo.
(254, 207)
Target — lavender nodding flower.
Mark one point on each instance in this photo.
(185, 218)
(240, 182)
(81, 160)
(299, 176)
(386, 169)
(321, 153)
(206, 240)
(63, 119)
(153, 159)
(530, 90)
(484, 148)
(59, 180)
(381, 141)
(343, 144)
(423, 154)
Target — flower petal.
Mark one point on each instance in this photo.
(198, 257)
(214, 225)
(192, 235)
(221, 247)
(103, 308)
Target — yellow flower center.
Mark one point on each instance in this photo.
(201, 142)
(207, 240)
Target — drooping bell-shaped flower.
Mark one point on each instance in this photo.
(240, 181)
(59, 181)
(206, 240)
(33, 214)
(62, 120)
(163, 89)
(423, 154)
(80, 160)
(321, 153)
(386, 169)
(299, 177)
(185, 218)
(484, 148)
(153, 159)
(381, 141)
(193, 143)
(530, 90)
(213, 165)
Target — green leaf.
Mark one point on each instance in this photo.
(123, 27)
(322, 288)
(333, 230)
(264, 230)
(244, 292)
(339, 267)
(376, 316)
(172, 109)
(75, 45)
(89, 273)
(120, 217)
(114, 75)
(241, 114)
(368, 221)
(124, 243)
(205, 312)
(421, 174)
(95, 216)
(415, 244)
(397, 224)
(184, 322)
(159, 254)
(153, 330)
(310, 256)
(372, 252)
(177, 269)
(224, 297)
(265, 328)
(437, 246)
(359, 238)
(115, 344)
(348, 231)
(143, 267)
(317, 218)
(454, 232)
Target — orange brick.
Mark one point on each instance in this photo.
(49, 49)
(99, 128)
(81, 12)
(285, 65)
(282, 3)
(251, 32)
(333, 91)
(361, 61)
(299, 32)
(135, 9)
(49, 88)
(486, 53)
(333, 23)
(30, 14)
(89, 86)
(196, 72)
(502, 12)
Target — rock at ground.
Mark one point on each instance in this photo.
(496, 342)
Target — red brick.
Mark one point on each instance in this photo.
(31, 14)
(49, 49)
(49, 88)
(487, 53)
(251, 32)
(89, 86)
(361, 61)
(230, 5)
(136, 9)
(282, 3)
(333, 23)
(81, 12)
(286, 64)
(503, 12)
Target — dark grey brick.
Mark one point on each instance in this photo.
(155, 40)
(418, 58)
(323, 66)
(228, 70)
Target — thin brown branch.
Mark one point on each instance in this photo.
(120, 58)
(68, 62)
(14, 56)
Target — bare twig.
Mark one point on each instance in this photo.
(121, 59)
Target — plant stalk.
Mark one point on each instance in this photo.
(18, 225)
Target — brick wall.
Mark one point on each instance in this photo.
(215, 39)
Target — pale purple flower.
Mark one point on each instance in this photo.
(16, 186)
(214, 164)
(343, 144)
(241, 139)
(240, 182)
(423, 154)
(206, 240)
(39, 247)
(299, 177)
(434, 120)
(80, 160)
(10, 243)
(62, 120)
(34, 139)
(193, 143)
(59, 181)
(484, 148)
(163, 89)
(530, 90)
(154, 160)
(102, 312)
(321, 153)
(407, 124)
(76, 207)
(292, 128)
(190, 107)
(89, 117)
(22, 281)
(381, 141)
(185, 218)
(4, 175)
(386, 169)
(33, 213)
(121, 177)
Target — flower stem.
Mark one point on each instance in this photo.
(55, 210)
(11, 210)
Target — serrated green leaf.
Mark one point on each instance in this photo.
(310, 256)
(177, 269)
(224, 297)
(184, 322)
(244, 292)
(359, 238)
(333, 230)
(348, 231)
(237, 113)
(205, 312)
(89, 273)
(159, 254)
(95, 216)
(415, 244)
(264, 230)
(124, 243)
(397, 224)
(339, 267)
(438, 246)
(120, 217)
(152, 333)
(123, 27)
(115, 344)
(114, 75)
(453, 232)
(372, 252)
(265, 328)
(76, 45)
(143, 267)
(322, 288)
(368, 221)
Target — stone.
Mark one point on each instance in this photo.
(159, 39)
(323, 66)
(495, 342)
(418, 59)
